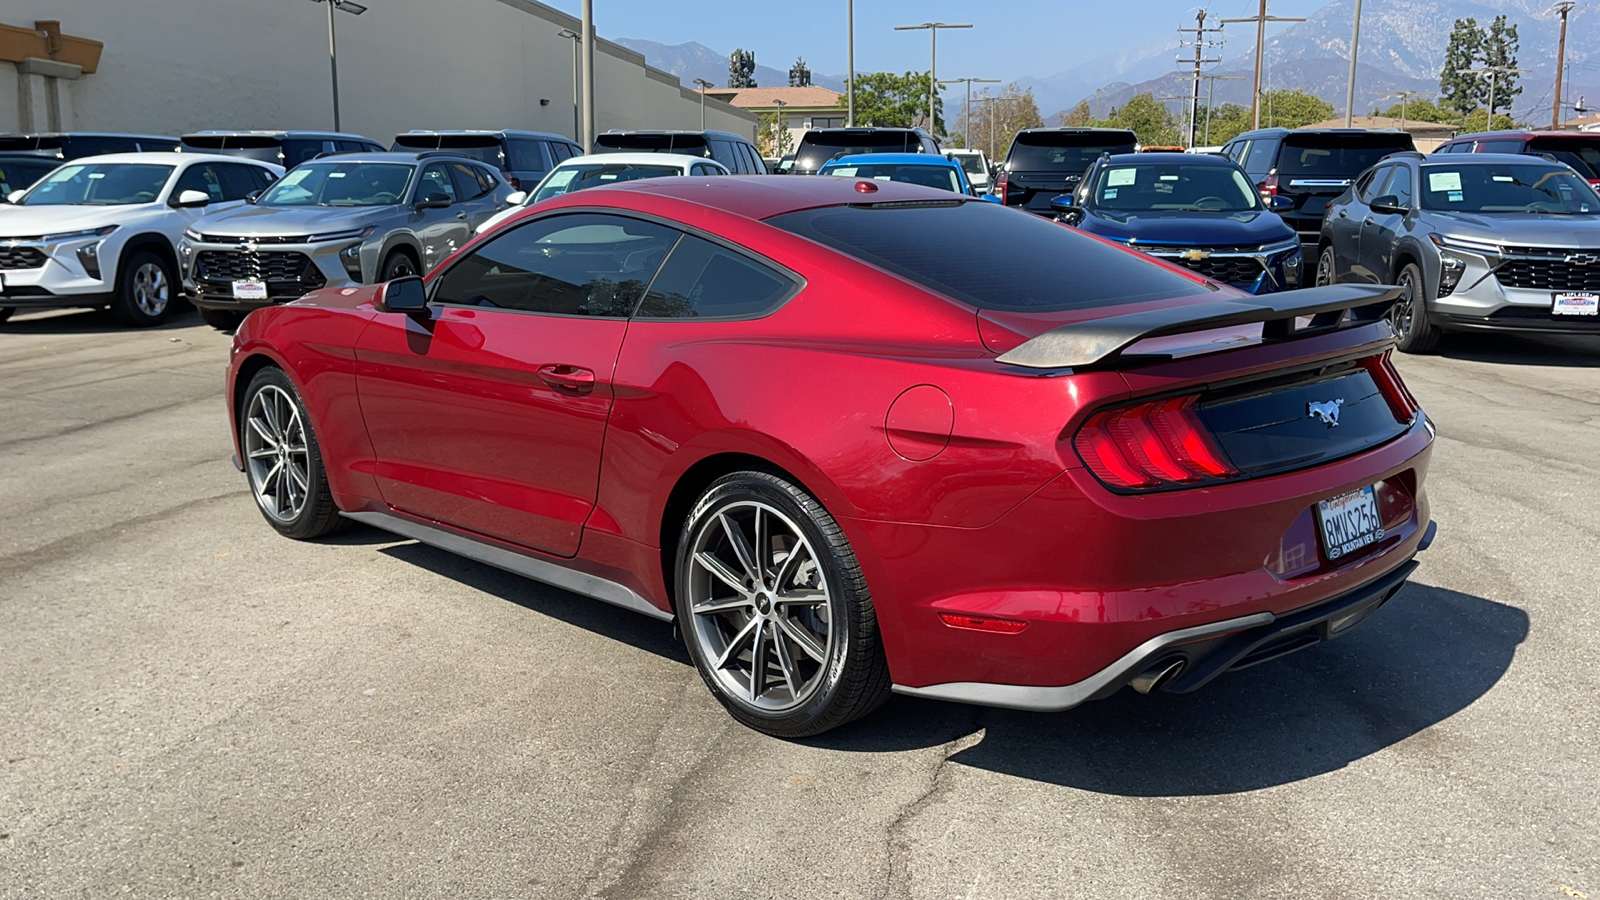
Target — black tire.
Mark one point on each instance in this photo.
(5, 312)
(146, 291)
(1325, 268)
(316, 515)
(1409, 315)
(397, 264)
(226, 321)
(845, 676)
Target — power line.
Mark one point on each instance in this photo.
(1261, 19)
(1200, 43)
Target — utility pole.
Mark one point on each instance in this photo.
(1261, 19)
(588, 77)
(577, 84)
(967, 111)
(850, 56)
(1350, 86)
(933, 62)
(1211, 91)
(1200, 43)
(1561, 9)
(1404, 96)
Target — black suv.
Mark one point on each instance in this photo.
(1311, 167)
(78, 144)
(736, 153)
(283, 148)
(523, 157)
(822, 144)
(1044, 163)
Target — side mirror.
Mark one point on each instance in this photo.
(191, 199)
(433, 200)
(1066, 210)
(517, 198)
(405, 294)
(16, 195)
(1280, 203)
(1389, 203)
(253, 196)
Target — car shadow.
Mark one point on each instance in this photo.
(1564, 350)
(1424, 657)
(87, 321)
(621, 625)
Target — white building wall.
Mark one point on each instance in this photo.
(175, 66)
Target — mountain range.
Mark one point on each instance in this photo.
(1401, 49)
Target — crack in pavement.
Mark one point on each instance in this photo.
(897, 873)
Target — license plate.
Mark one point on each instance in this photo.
(249, 290)
(1349, 522)
(1576, 305)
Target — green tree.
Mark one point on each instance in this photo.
(888, 100)
(1147, 118)
(772, 138)
(1222, 124)
(1293, 109)
(1078, 116)
(995, 119)
(1420, 110)
(1500, 54)
(1477, 120)
(1460, 90)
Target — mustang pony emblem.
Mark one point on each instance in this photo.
(1327, 411)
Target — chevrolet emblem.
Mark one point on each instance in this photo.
(1195, 255)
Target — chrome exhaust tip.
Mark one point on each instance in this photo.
(1154, 677)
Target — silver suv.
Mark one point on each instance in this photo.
(1480, 241)
(353, 218)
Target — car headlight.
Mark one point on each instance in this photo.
(347, 234)
(350, 258)
(61, 236)
(1292, 245)
(1470, 245)
(89, 258)
(192, 235)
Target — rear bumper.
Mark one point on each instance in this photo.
(1187, 659)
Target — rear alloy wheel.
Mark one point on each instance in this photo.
(397, 265)
(146, 291)
(775, 610)
(282, 460)
(224, 320)
(1324, 275)
(1409, 315)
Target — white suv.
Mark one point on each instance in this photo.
(101, 231)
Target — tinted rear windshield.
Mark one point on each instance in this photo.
(1582, 154)
(1008, 261)
(692, 144)
(817, 147)
(1048, 151)
(482, 147)
(1337, 156)
(74, 146)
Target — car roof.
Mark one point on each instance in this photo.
(674, 131)
(765, 196)
(1164, 158)
(1524, 133)
(860, 129)
(487, 132)
(392, 156)
(231, 132)
(160, 157)
(1067, 129)
(680, 159)
(61, 134)
(1487, 159)
(914, 159)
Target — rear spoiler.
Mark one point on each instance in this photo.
(1085, 344)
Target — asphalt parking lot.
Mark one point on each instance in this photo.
(195, 707)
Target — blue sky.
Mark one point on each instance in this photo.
(1009, 38)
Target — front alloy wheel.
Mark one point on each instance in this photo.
(1324, 267)
(1409, 315)
(146, 292)
(282, 460)
(775, 610)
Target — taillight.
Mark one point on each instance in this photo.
(1000, 187)
(1268, 187)
(514, 181)
(1404, 406)
(1152, 445)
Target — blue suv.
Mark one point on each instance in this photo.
(1197, 211)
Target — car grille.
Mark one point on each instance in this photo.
(1226, 269)
(1549, 275)
(285, 272)
(21, 257)
(254, 239)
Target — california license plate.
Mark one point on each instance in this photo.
(249, 290)
(1576, 305)
(1349, 522)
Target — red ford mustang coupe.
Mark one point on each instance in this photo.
(859, 437)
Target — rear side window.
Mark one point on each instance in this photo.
(1336, 157)
(528, 156)
(703, 280)
(1581, 153)
(1049, 268)
(471, 182)
(297, 151)
(1047, 151)
(1512, 146)
(1258, 161)
(722, 152)
(239, 179)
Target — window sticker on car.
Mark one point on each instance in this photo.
(336, 174)
(1444, 181)
(96, 175)
(1121, 177)
(1502, 178)
(1454, 196)
(1110, 194)
(1169, 178)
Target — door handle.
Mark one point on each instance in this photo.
(1343, 214)
(570, 379)
(462, 216)
(1367, 221)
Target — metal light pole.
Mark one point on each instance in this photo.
(850, 56)
(588, 76)
(577, 78)
(354, 9)
(1562, 8)
(967, 110)
(1261, 19)
(777, 132)
(1405, 97)
(1211, 94)
(704, 86)
(1350, 88)
(933, 63)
